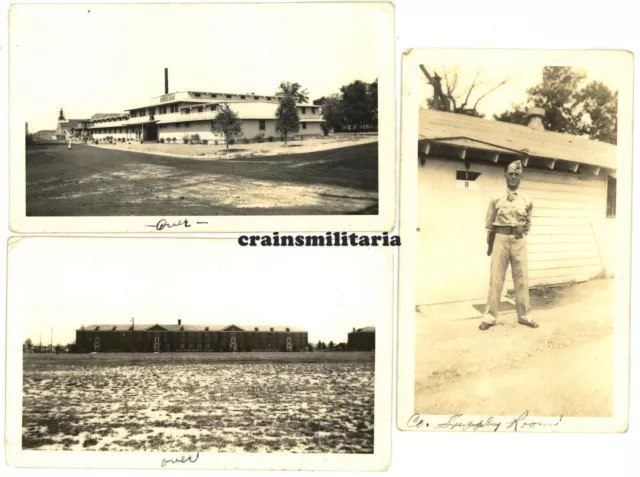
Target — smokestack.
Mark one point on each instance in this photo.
(166, 81)
(179, 322)
(535, 116)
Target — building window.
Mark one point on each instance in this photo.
(229, 96)
(178, 125)
(200, 109)
(243, 97)
(313, 110)
(142, 111)
(214, 95)
(256, 97)
(197, 95)
(611, 197)
(304, 125)
(187, 125)
(304, 110)
(263, 124)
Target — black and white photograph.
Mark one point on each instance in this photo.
(128, 355)
(210, 117)
(520, 255)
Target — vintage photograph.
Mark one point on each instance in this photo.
(162, 348)
(520, 241)
(218, 111)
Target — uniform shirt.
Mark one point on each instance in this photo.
(511, 209)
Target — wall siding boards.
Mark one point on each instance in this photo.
(570, 240)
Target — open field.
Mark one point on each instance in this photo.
(206, 402)
(105, 181)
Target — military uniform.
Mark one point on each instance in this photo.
(509, 218)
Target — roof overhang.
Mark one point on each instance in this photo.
(472, 150)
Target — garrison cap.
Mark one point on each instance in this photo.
(515, 166)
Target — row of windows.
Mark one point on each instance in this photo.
(174, 108)
(229, 96)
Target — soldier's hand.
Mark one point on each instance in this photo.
(519, 232)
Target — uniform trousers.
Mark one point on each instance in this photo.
(507, 249)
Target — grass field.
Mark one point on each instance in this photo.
(206, 402)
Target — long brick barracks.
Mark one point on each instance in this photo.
(171, 338)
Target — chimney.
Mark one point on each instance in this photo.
(179, 322)
(535, 116)
(354, 330)
(166, 81)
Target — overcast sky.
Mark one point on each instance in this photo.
(105, 58)
(64, 283)
(520, 77)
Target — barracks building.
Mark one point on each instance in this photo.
(189, 338)
(182, 115)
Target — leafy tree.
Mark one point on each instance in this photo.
(450, 98)
(331, 345)
(29, 344)
(293, 90)
(227, 123)
(355, 108)
(287, 117)
(332, 113)
(571, 106)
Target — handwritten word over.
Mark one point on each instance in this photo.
(163, 224)
(181, 460)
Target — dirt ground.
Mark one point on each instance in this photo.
(562, 368)
(188, 402)
(104, 181)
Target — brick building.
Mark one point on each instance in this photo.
(189, 338)
(362, 339)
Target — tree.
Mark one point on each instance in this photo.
(571, 106)
(331, 345)
(28, 344)
(355, 108)
(332, 113)
(355, 105)
(287, 118)
(227, 123)
(451, 99)
(294, 90)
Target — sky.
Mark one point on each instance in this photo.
(64, 283)
(519, 77)
(107, 58)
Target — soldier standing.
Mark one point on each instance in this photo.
(508, 222)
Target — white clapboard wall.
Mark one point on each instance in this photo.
(571, 238)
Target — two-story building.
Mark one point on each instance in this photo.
(182, 115)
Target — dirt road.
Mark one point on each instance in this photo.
(92, 181)
(565, 367)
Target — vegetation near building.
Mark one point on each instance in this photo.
(227, 123)
(572, 105)
(287, 117)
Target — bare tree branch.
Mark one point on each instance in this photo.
(502, 83)
(473, 85)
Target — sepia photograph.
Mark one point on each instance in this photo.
(214, 117)
(519, 260)
(159, 350)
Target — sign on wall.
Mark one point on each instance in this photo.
(467, 180)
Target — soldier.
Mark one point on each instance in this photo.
(508, 222)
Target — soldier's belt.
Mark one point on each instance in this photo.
(504, 229)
